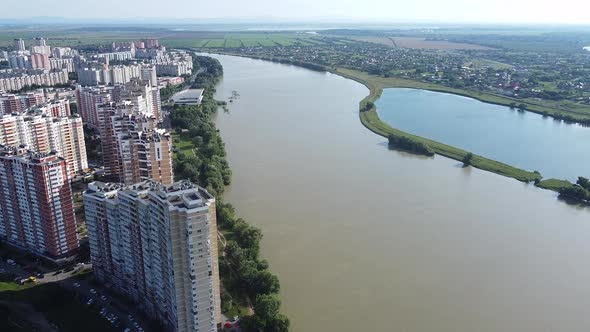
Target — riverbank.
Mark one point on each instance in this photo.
(370, 119)
(200, 156)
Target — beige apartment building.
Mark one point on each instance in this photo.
(133, 149)
(42, 133)
(157, 244)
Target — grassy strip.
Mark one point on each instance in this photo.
(370, 119)
(535, 106)
(554, 184)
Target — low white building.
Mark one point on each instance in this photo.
(188, 97)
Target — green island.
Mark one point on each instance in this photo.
(249, 289)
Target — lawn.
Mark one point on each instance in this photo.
(554, 184)
(182, 143)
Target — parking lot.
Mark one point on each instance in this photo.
(120, 315)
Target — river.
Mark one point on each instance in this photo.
(368, 239)
(522, 139)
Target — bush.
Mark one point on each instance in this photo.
(408, 144)
(467, 159)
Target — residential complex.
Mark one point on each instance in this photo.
(145, 98)
(89, 100)
(157, 244)
(41, 65)
(42, 133)
(17, 103)
(132, 148)
(108, 75)
(36, 208)
(17, 79)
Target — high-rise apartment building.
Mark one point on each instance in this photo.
(36, 207)
(40, 41)
(40, 61)
(19, 45)
(148, 74)
(19, 61)
(44, 134)
(133, 149)
(157, 244)
(11, 103)
(17, 80)
(89, 99)
(93, 100)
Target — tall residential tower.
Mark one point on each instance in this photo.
(157, 244)
(36, 207)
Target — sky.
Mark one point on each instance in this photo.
(454, 11)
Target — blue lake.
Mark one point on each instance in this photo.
(522, 139)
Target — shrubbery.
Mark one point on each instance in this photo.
(405, 143)
(579, 191)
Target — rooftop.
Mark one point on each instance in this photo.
(188, 97)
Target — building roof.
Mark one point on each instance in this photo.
(188, 97)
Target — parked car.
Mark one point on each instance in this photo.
(92, 290)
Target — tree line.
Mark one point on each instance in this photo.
(241, 269)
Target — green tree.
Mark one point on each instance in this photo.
(584, 182)
(280, 323)
(266, 283)
(467, 159)
(267, 307)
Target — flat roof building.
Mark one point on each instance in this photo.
(188, 97)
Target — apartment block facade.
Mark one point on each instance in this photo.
(17, 103)
(18, 80)
(92, 101)
(133, 149)
(42, 133)
(36, 207)
(157, 244)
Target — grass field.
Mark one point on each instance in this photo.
(183, 144)
(554, 184)
(376, 40)
(422, 43)
(190, 39)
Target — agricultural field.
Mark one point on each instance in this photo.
(235, 40)
(74, 37)
(375, 39)
(423, 43)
